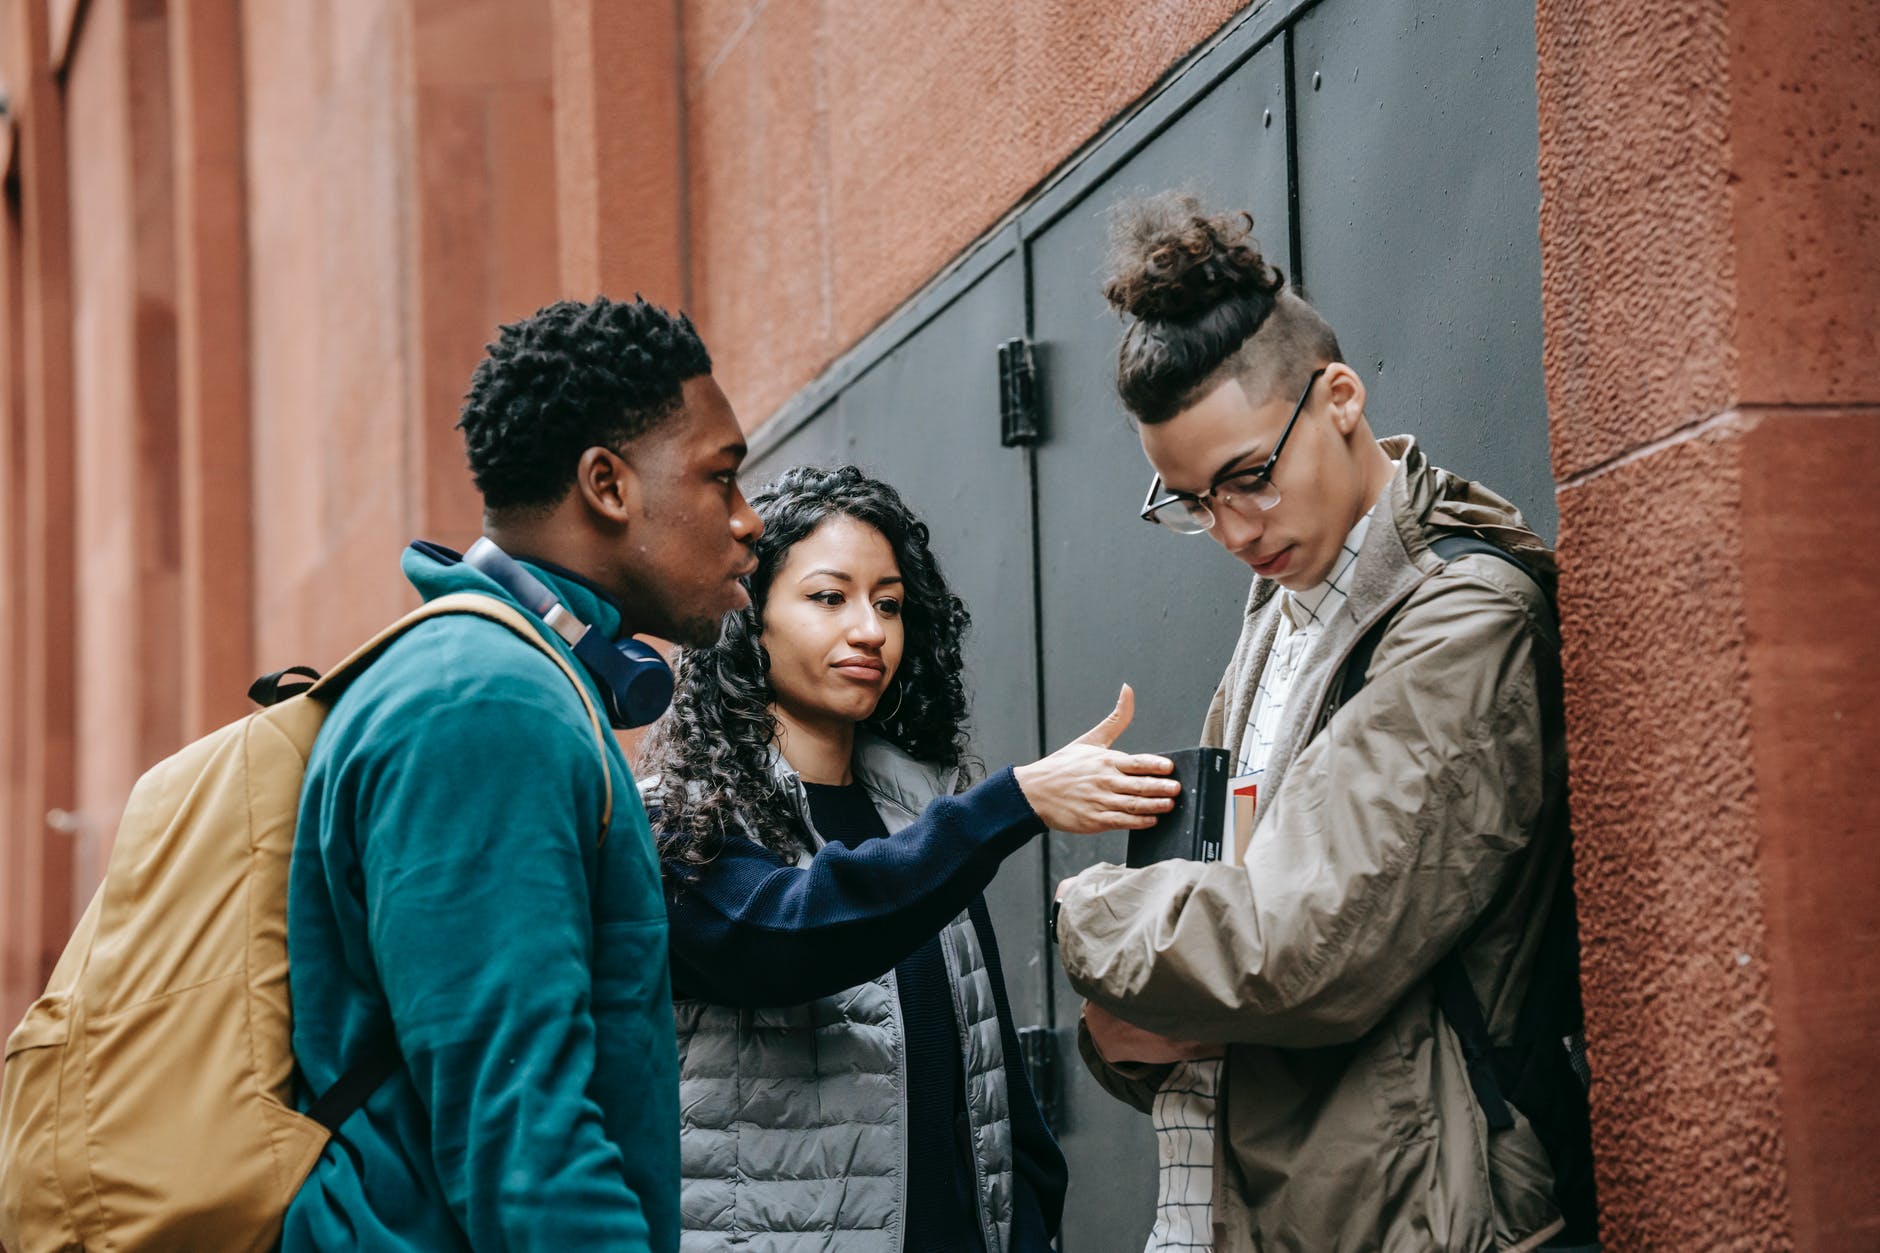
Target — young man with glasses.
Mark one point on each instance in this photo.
(1332, 1027)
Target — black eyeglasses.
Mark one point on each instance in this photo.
(1189, 514)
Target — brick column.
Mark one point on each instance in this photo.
(46, 718)
(16, 966)
(217, 634)
(620, 150)
(484, 223)
(1711, 282)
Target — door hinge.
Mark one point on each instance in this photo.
(1019, 417)
(1039, 1047)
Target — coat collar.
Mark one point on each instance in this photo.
(1392, 562)
(900, 786)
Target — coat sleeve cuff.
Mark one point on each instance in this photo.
(1002, 805)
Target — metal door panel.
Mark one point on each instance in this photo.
(1419, 202)
(1123, 600)
(817, 442)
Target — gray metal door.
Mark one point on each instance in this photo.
(1419, 192)
(1123, 600)
(924, 417)
(1410, 213)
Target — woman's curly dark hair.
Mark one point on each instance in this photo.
(712, 751)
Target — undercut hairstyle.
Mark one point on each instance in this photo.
(572, 377)
(1203, 305)
(711, 753)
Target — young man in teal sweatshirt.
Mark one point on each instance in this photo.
(452, 893)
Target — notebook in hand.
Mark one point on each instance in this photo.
(1192, 830)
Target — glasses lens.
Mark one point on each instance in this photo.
(1185, 517)
(1246, 492)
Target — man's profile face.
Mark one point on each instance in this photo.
(1297, 541)
(690, 545)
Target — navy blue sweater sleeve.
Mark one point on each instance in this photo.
(751, 931)
(1038, 1167)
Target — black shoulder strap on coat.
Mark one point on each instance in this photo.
(358, 1082)
(1449, 548)
(1454, 994)
(1539, 1072)
(272, 689)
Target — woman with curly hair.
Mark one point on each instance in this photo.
(848, 1061)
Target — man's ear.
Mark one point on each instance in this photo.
(609, 484)
(1344, 392)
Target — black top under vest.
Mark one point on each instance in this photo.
(941, 1182)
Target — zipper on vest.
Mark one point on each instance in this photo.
(988, 1230)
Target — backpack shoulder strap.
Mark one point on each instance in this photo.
(1449, 546)
(328, 688)
(1453, 992)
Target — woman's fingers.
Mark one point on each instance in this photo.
(1145, 785)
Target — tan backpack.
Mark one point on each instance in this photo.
(147, 1101)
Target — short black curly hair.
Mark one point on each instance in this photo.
(712, 751)
(572, 377)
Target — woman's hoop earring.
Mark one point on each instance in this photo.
(900, 694)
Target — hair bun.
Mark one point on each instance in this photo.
(1172, 261)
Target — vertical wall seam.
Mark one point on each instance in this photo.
(683, 146)
(1296, 250)
(825, 206)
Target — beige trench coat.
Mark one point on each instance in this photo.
(1428, 813)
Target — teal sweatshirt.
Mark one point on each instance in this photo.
(449, 886)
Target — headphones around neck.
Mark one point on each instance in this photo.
(635, 682)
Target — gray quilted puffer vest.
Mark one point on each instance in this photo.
(792, 1121)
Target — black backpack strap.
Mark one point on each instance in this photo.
(272, 689)
(1449, 547)
(1456, 998)
(356, 1085)
(1540, 1073)
(1454, 994)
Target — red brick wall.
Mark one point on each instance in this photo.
(841, 152)
(1711, 284)
(329, 178)
(401, 202)
(124, 415)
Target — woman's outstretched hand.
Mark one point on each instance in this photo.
(1087, 786)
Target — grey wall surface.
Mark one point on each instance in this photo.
(1413, 209)
(1419, 195)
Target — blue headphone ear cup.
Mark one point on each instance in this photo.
(635, 680)
(647, 691)
(636, 683)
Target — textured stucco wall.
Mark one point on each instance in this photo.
(1815, 701)
(401, 202)
(41, 701)
(841, 151)
(619, 150)
(123, 310)
(1711, 284)
(1665, 811)
(329, 168)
